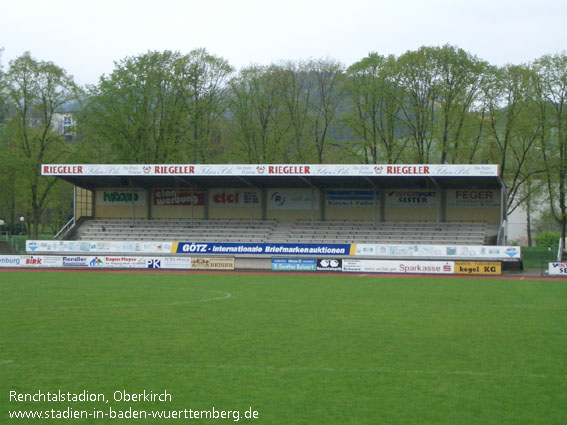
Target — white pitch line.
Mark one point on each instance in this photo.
(225, 296)
(362, 275)
(373, 370)
(6, 362)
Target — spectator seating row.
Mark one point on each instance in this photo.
(299, 231)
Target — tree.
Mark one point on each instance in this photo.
(35, 90)
(419, 81)
(552, 73)
(461, 77)
(257, 111)
(323, 105)
(208, 78)
(296, 88)
(158, 107)
(374, 93)
(515, 130)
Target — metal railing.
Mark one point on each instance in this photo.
(501, 234)
(64, 229)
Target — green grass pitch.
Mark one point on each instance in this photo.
(297, 349)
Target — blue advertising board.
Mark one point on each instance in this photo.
(294, 264)
(259, 248)
(352, 198)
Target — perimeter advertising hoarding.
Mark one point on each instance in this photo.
(260, 248)
(557, 269)
(438, 251)
(432, 170)
(183, 263)
(330, 264)
(294, 264)
(102, 261)
(202, 263)
(98, 247)
(478, 268)
(43, 261)
(119, 262)
(366, 250)
(393, 266)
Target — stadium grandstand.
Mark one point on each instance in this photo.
(372, 211)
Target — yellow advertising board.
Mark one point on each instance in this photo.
(469, 267)
(206, 263)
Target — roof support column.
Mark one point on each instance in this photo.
(502, 229)
(264, 203)
(382, 205)
(312, 200)
(440, 202)
(192, 203)
(375, 199)
(443, 206)
(132, 194)
(323, 203)
(149, 209)
(74, 204)
(206, 204)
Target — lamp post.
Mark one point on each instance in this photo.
(22, 219)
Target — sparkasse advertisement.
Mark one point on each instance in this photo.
(393, 266)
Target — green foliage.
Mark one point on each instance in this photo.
(548, 238)
(158, 107)
(35, 91)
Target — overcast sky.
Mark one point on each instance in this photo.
(87, 37)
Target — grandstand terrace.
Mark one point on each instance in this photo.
(282, 203)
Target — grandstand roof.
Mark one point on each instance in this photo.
(91, 176)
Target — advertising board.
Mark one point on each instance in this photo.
(178, 196)
(98, 247)
(399, 266)
(438, 251)
(102, 261)
(294, 264)
(557, 269)
(182, 263)
(11, 260)
(259, 248)
(351, 198)
(330, 264)
(478, 268)
(110, 261)
(292, 199)
(40, 261)
(213, 263)
(410, 198)
(433, 170)
(234, 197)
(473, 198)
(120, 197)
